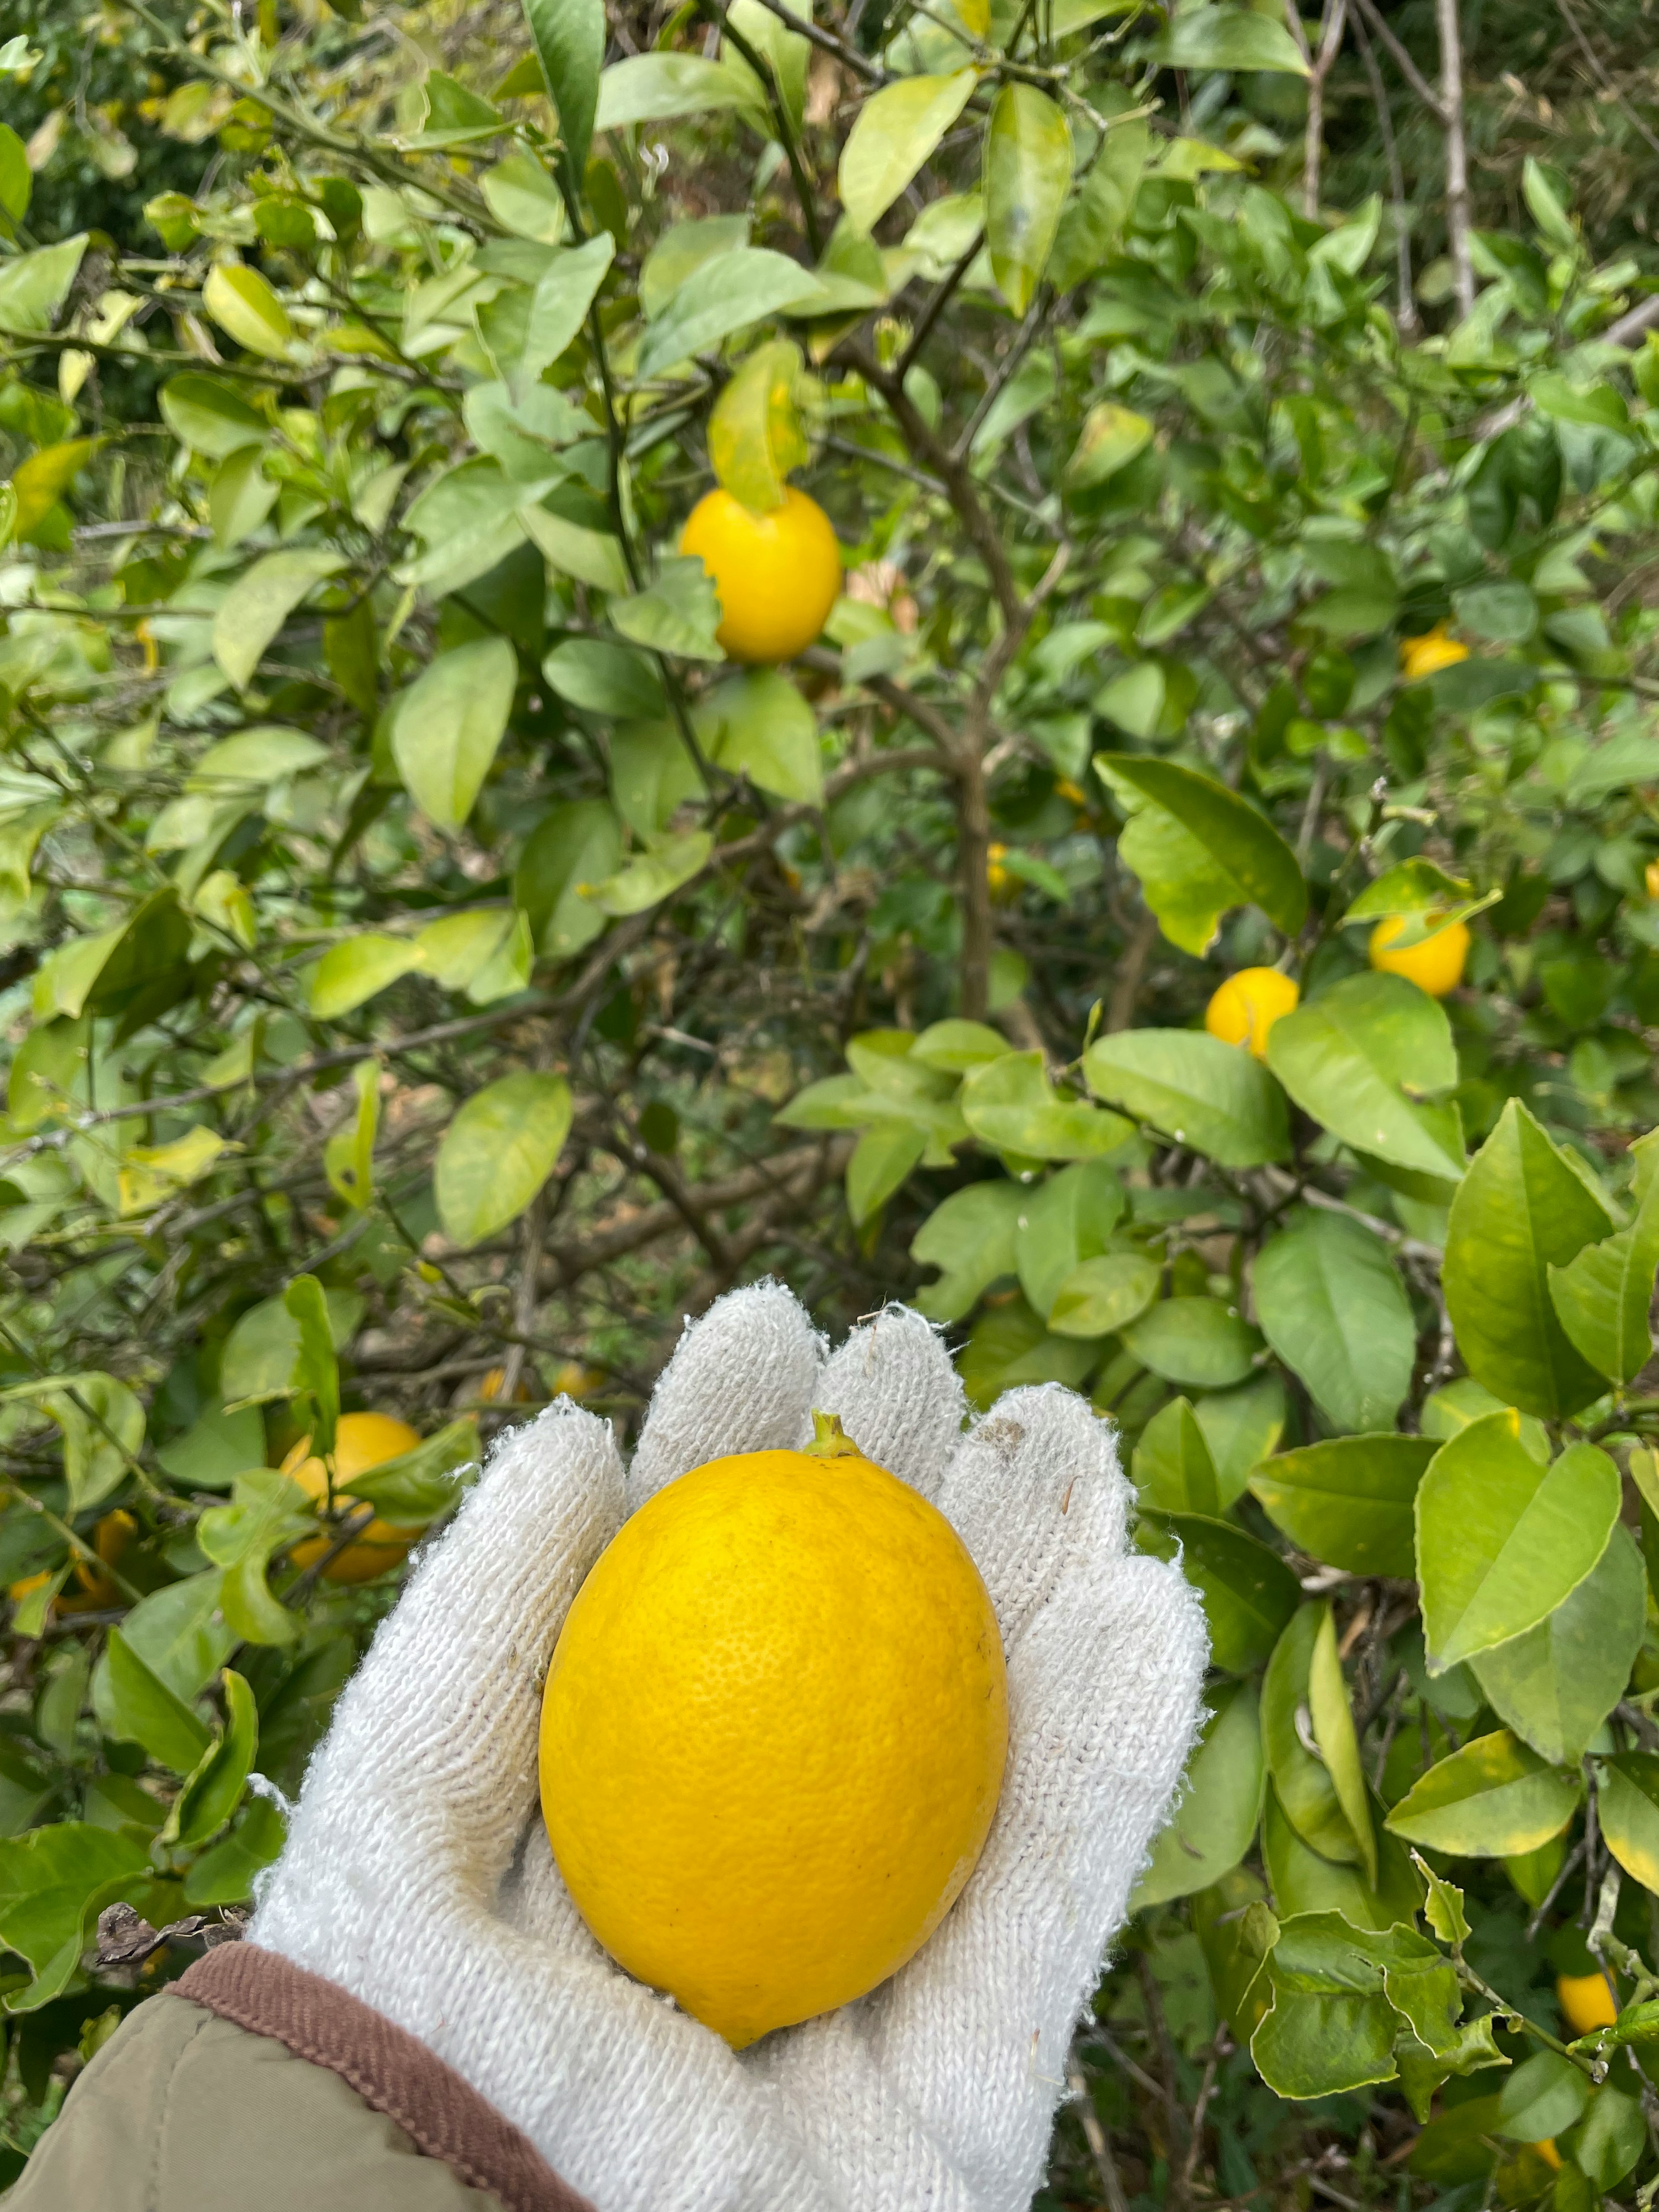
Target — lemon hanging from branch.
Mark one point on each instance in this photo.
(771, 549)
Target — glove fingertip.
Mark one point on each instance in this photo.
(742, 1379)
(898, 1395)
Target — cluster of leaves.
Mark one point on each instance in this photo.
(411, 922)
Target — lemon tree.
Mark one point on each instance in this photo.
(439, 950)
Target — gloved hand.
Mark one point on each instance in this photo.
(418, 1873)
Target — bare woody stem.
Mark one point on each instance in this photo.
(1457, 170)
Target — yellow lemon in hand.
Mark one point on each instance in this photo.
(773, 1734)
(1248, 1005)
(1435, 964)
(777, 574)
(1587, 2002)
(361, 1441)
(1421, 656)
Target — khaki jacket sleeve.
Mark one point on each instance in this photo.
(256, 2085)
(182, 2111)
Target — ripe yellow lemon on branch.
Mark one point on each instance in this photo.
(778, 574)
(1587, 2002)
(1435, 964)
(1247, 1006)
(361, 1440)
(773, 1734)
(1422, 656)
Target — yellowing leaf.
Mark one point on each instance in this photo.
(894, 133)
(246, 309)
(153, 1173)
(1028, 168)
(755, 434)
(41, 481)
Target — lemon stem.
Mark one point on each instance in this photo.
(829, 1439)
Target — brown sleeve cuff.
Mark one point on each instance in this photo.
(389, 2068)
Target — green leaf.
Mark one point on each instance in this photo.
(1101, 1296)
(1411, 887)
(1067, 1220)
(1601, 1298)
(1195, 1341)
(214, 1789)
(1215, 1818)
(605, 679)
(262, 1353)
(653, 774)
(1627, 1802)
(1304, 1881)
(1243, 843)
(224, 1873)
(1332, 1308)
(210, 415)
(759, 726)
(955, 1047)
(1232, 39)
(894, 132)
(1543, 2097)
(1612, 2138)
(678, 614)
(524, 198)
(412, 1490)
(1248, 1592)
(1028, 172)
(180, 1636)
(1109, 440)
(725, 295)
(577, 843)
(1348, 1502)
(246, 309)
(657, 87)
(1009, 1346)
(52, 1883)
(1492, 1799)
(1443, 1907)
(654, 875)
(1331, 2027)
(570, 36)
(351, 974)
(1174, 1472)
(498, 1151)
(448, 726)
(1242, 1427)
(316, 1371)
(257, 605)
(1334, 1732)
(970, 1240)
(1557, 1684)
(1194, 1089)
(1010, 1104)
(1092, 226)
(267, 1512)
(34, 286)
(1525, 1206)
(146, 1711)
(454, 116)
(102, 1424)
(16, 178)
(1304, 1784)
(882, 1159)
(1501, 1540)
(559, 306)
(1360, 1055)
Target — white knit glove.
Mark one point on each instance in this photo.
(417, 1874)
